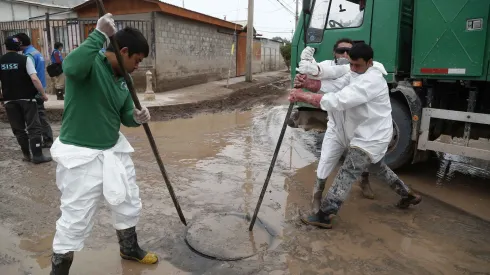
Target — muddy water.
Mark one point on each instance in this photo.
(217, 163)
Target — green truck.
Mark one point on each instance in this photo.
(437, 55)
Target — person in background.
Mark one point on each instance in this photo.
(59, 81)
(39, 64)
(20, 84)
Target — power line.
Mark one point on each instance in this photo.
(284, 5)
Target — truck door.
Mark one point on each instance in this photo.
(335, 19)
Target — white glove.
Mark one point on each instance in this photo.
(142, 116)
(307, 53)
(106, 25)
(308, 67)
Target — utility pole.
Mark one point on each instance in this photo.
(297, 15)
(183, 6)
(250, 40)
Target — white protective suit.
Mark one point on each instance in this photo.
(359, 112)
(85, 175)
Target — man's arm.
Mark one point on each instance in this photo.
(322, 70)
(79, 63)
(127, 113)
(327, 71)
(357, 93)
(31, 71)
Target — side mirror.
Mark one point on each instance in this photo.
(307, 6)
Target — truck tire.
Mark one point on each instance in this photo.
(400, 151)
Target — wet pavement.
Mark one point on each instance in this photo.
(217, 164)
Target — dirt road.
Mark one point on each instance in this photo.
(217, 163)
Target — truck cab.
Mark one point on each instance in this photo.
(437, 55)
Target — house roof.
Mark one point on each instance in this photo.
(244, 24)
(38, 4)
(177, 11)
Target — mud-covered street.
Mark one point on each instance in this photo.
(217, 163)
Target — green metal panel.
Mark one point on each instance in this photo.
(385, 34)
(443, 40)
(405, 38)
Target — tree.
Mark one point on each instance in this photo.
(286, 54)
(281, 39)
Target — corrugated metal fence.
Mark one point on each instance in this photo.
(70, 32)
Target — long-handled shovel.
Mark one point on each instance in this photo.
(100, 6)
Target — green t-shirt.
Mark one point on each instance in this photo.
(96, 101)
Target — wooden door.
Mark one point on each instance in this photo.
(36, 39)
(241, 54)
(89, 28)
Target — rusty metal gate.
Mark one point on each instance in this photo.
(45, 32)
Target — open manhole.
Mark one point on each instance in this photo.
(226, 236)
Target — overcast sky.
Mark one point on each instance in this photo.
(270, 18)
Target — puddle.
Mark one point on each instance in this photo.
(217, 163)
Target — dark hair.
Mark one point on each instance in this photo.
(24, 39)
(133, 39)
(361, 50)
(12, 43)
(58, 45)
(342, 40)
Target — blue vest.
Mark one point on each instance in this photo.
(38, 63)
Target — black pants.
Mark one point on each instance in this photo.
(47, 132)
(23, 116)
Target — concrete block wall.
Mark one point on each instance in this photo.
(190, 52)
(272, 59)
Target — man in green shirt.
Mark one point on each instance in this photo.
(93, 156)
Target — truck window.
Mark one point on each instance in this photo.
(346, 14)
(342, 14)
(317, 21)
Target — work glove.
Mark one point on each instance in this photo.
(307, 53)
(106, 25)
(141, 116)
(302, 81)
(297, 95)
(309, 67)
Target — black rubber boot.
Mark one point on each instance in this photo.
(61, 263)
(320, 219)
(60, 95)
(26, 151)
(411, 199)
(130, 250)
(37, 152)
